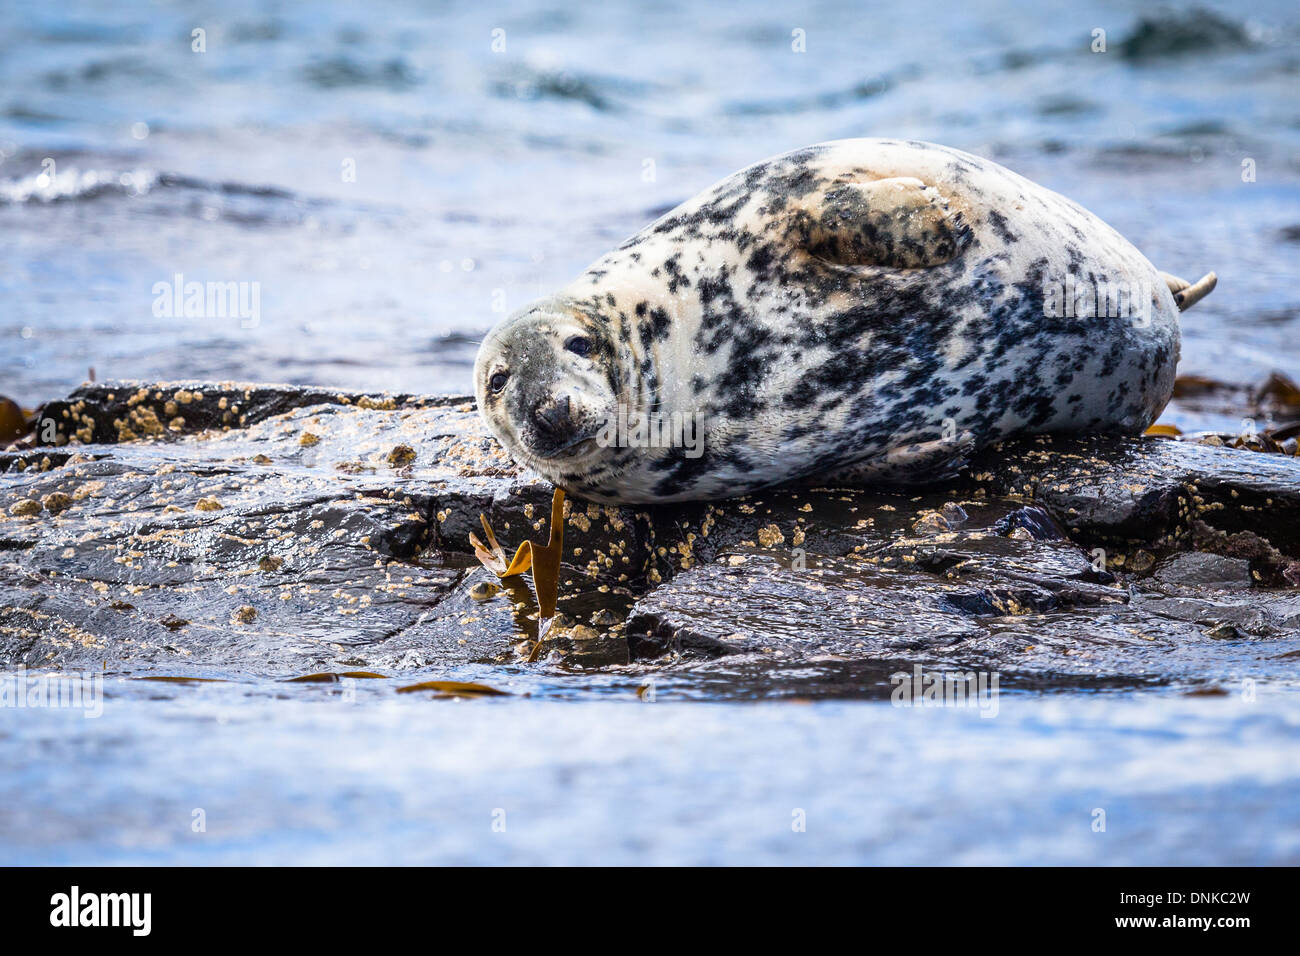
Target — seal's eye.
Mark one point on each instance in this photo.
(498, 381)
(578, 345)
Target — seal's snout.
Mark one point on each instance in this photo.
(558, 426)
(554, 418)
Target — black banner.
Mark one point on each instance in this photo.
(336, 905)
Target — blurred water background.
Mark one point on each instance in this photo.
(485, 178)
(389, 179)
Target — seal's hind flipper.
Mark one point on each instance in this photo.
(1187, 294)
(915, 463)
(899, 223)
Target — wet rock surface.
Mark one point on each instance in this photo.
(271, 531)
(1154, 492)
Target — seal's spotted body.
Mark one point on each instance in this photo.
(860, 309)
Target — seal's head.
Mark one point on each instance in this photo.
(546, 380)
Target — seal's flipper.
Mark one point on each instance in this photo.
(898, 223)
(1187, 294)
(915, 463)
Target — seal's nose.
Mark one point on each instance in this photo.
(552, 417)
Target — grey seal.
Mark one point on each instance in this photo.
(864, 310)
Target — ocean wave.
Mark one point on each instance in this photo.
(602, 93)
(226, 187)
(1175, 34)
(73, 184)
(338, 72)
(108, 70)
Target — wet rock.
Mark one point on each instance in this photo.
(904, 592)
(1199, 569)
(1268, 616)
(1139, 561)
(795, 523)
(401, 456)
(932, 522)
(580, 646)
(282, 531)
(853, 626)
(56, 501)
(954, 514)
(1268, 565)
(1036, 523)
(112, 412)
(1025, 590)
(1012, 576)
(762, 606)
(1114, 491)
